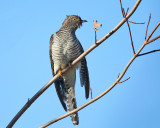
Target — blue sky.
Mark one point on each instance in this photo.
(26, 27)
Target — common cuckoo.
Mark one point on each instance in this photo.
(64, 49)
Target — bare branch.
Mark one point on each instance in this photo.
(118, 75)
(147, 42)
(131, 37)
(96, 25)
(150, 35)
(126, 12)
(135, 22)
(123, 80)
(95, 36)
(26, 106)
(124, 15)
(122, 9)
(153, 39)
(147, 26)
(148, 52)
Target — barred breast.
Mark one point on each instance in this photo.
(65, 49)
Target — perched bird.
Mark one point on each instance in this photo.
(64, 49)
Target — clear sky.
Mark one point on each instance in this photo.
(25, 30)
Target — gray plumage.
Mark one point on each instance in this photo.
(64, 49)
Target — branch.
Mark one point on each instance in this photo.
(148, 52)
(27, 105)
(123, 80)
(124, 15)
(131, 37)
(147, 26)
(106, 91)
(147, 42)
(150, 35)
(153, 39)
(135, 22)
(96, 25)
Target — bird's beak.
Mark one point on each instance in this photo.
(84, 21)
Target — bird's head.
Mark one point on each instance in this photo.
(73, 22)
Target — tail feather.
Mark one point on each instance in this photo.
(71, 104)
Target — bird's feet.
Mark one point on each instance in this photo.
(60, 72)
(70, 65)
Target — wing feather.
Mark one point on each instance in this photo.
(58, 83)
(84, 74)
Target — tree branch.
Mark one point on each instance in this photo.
(123, 80)
(148, 52)
(124, 15)
(131, 37)
(153, 39)
(147, 26)
(27, 105)
(135, 22)
(150, 35)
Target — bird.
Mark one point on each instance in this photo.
(64, 48)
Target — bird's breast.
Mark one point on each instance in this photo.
(64, 51)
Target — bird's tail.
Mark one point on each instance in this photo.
(71, 104)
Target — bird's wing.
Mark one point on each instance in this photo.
(50, 53)
(58, 82)
(84, 75)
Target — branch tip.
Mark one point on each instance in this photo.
(118, 75)
(135, 22)
(123, 80)
(147, 26)
(126, 12)
(96, 25)
(154, 39)
(148, 52)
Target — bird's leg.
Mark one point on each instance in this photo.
(70, 64)
(60, 72)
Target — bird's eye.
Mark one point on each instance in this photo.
(74, 18)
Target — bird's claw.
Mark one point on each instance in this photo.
(70, 65)
(60, 72)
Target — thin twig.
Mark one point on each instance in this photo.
(135, 22)
(126, 12)
(95, 36)
(148, 52)
(150, 35)
(123, 80)
(96, 25)
(26, 106)
(124, 15)
(131, 38)
(102, 94)
(118, 75)
(147, 26)
(122, 9)
(153, 39)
